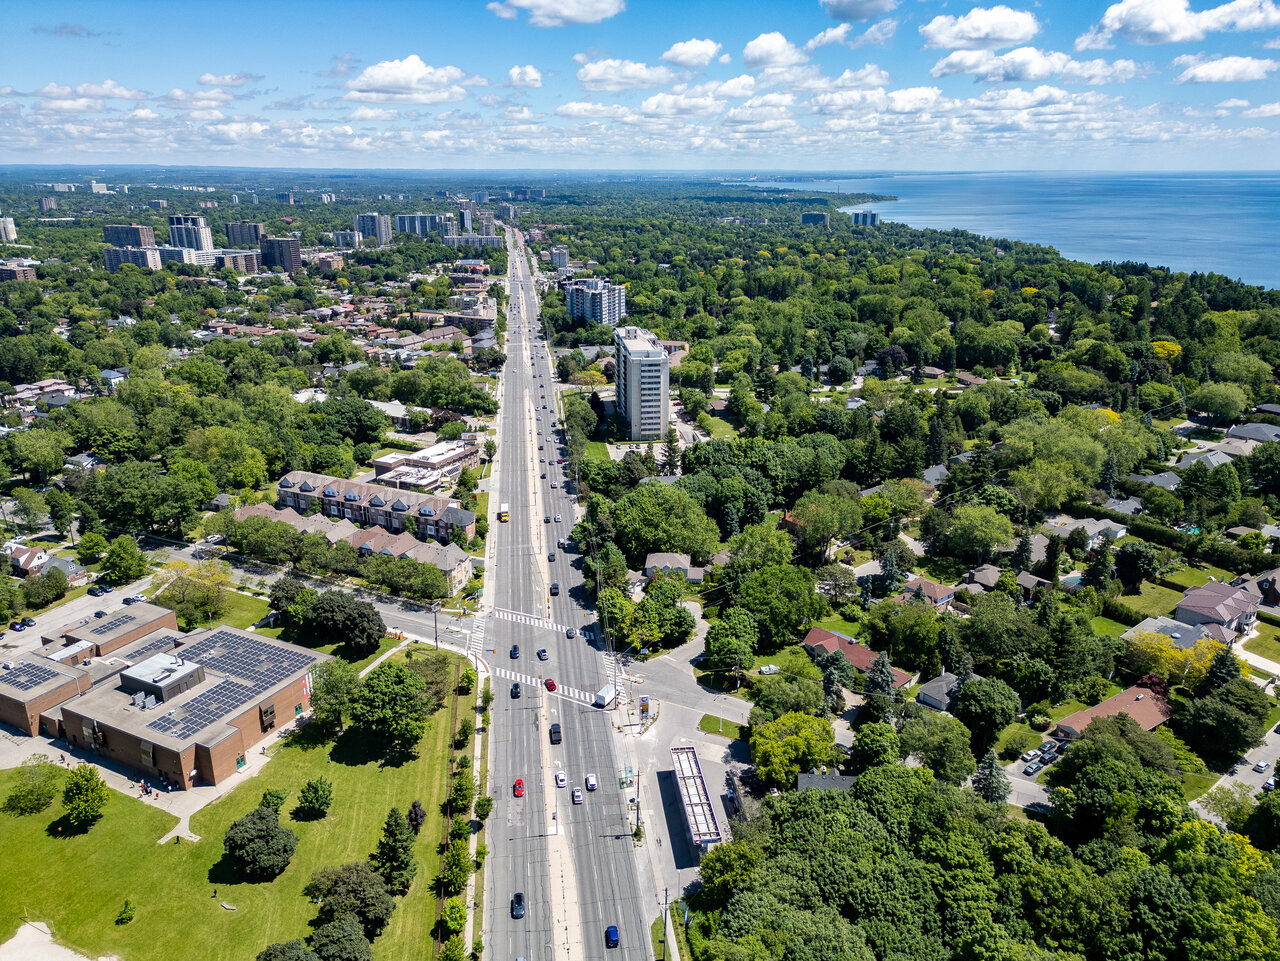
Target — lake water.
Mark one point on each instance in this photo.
(1223, 222)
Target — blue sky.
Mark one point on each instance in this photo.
(655, 84)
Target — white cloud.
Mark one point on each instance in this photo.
(526, 76)
(621, 75)
(372, 113)
(1223, 69)
(144, 113)
(408, 81)
(1031, 64)
(692, 53)
(227, 79)
(857, 9)
(740, 86)
(878, 33)
(72, 105)
(839, 102)
(913, 99)
(557, 13)
(1264, 110)
(237, 131)
(982, 28)
(678, 105)
(180, 99)
(584, 109)
(771, 50)
(1233, 104)
(109, 90)
(829, 36)
(871, 75)
(1173, 21)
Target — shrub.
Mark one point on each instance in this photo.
(416, 816)
(315, 799)
(484, 807)
(1040, 722)
(259, 844)
(467, 683)
(466, 727)
(455, 915)
(273, 798)
(126, 913)
(1092, 689)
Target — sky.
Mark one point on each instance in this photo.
(805, 85)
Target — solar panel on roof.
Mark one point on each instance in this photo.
(25, 675)
(106, 627)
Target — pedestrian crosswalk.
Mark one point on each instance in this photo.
(572, 693)
(529, 619)
(476, 645)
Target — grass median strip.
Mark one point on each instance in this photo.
(711, 724)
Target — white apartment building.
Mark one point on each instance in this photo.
(374, 225)
(641, 383)
(8, 232)
(559, 256)
(595, 300)
(190, 231)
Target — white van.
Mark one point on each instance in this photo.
(605, 696)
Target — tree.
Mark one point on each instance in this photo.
(416, 816)
(726, 868)
(196, 592)
(986, 707)
(84, 795)
(1228, 722)
(315, 799)
(977, 530)
(990, 782)
(273, 798)
(35, 787)
(782, 748)
(662, 517)
(342, 939)
(334, 685)
(1109, 477)
(390, 705)
(62, 509)
(1263, 823)
(1022, 554)
(457, 866)
(880, 678)
(41, 590)
(452, 950)
(31, 507)
(731, 641)
(1098, 573)
(393, 858)
(124, 562)
(259, 844)
(1219, 401)
(876, 744)
(339, 618)
(1224, 668)
(1135, 562)
(942, 744)
(91, 548)
(353, 889)
(671, 452)
(1230, 804)
(454, 915)
(783, 598)
(490, 450)
(293, 950)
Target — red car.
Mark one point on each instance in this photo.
(551, 685)
(519, 789)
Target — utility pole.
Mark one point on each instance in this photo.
(435, 613)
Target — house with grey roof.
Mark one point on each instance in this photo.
(984, 578)
(1184, 636)
(1217, 603)
(1124, 505)
(1263, 433)
(941, 691)
(667, 562)
(1210, 458)
(1166, 480)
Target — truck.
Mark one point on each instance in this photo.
(605, 696)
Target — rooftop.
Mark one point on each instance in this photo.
(1148, 709)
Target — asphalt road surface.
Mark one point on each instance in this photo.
(574, 863)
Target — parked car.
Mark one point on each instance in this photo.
(1032, 769)
(1269, 784)
(96, 591)
(136, 599)
(106, 588)
(1262, 766)
(29, 622)
(770, 669)
(1032, 755)
(99, 614)
(17, 626)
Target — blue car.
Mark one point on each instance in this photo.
(611, 936)
(18, 626)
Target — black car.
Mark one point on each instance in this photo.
(555, 589)
(546, 519)
(555, 733)
(570, 633)
(515, 690)
(107, 588)
(96, 591)
(515, 652)
(99, 614)
(517, 905)
(551, 556)
(29, 622)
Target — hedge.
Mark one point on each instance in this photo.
(1119, 611)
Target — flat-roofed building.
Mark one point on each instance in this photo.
(129, 235)
(17, 272)
(190, 230)
(244, 233)
(641, 383)
(595, 300)
(283, 252)
(146, 257)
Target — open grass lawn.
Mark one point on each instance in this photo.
(944, 570)
(720, 726)
(1108, 627)
(1193, 785)
(1267, 643)
(1152, 599)
(243, 611)
(596, 450)
(722, 428)
(839, 625)
(1198, 575)
(78, 883)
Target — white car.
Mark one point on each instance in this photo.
(1262, 766)
(770, 669)
(591, 782)
(561, 780)
(577, 795)
(557, 518)
(213, 539)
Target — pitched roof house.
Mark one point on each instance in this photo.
(1150, 710)
(858, 655)
(1216, 603)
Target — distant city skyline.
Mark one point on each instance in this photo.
(648, 84)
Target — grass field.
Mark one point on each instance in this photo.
(839, 625)
(596, 450)
(711, 724)
(1152, 599)
(244, 611)
(1267, 643)
(1105, 625)
(173, 885)
(1198, 576)
(722, 428)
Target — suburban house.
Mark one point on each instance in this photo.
(859, 656)
(1184, 636)
(667, 563)
(1263, 433)
(369, 505)
(1167, 480)
(1124, 505)
(983, 578)
(30, 561)
(1029, 582)
(1265, 585)
(1215, 603)
(1210, 459)
(941, 691)
(936, 595)
(1095, 530)
(1149, 709)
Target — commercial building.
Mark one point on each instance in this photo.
(560, 256)
(16, 272)
(191, 231)
(190, 712)
(243, 233)
(427, 515)
(129, 235)
(699, 810)
(596, 300)
(8, 232)
(865, 218)
(116, 257)
(480, 197)
(445, 460)
(641, 383)
(284, 252)
(375, 225)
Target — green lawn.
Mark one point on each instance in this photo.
(839, 625)
(1108, 627)
(1267, 643)
(1056, 713)
(722, 428)
(1152, 599)
(173, 885)
(1193, 785)
(711, 724)
(243, 611)
(596, 450)
(1198, 575)
(944, 570)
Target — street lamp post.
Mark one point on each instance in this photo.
(435, 611)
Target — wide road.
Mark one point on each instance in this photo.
(574, 863)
